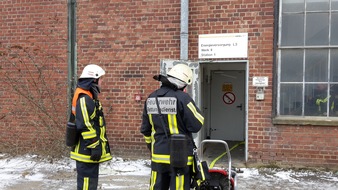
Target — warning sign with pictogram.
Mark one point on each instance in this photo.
(227, 87)
(229, 98)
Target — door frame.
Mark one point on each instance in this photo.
(196, 89)
(208, 67)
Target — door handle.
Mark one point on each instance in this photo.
(240, 107)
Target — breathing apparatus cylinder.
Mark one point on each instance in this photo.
(71, 134)
(178, 151)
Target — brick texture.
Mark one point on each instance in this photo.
(33, 58)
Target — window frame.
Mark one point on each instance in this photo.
(301, 119)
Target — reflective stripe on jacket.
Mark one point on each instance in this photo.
(90, 125)
(322, 103)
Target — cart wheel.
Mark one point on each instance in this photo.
(218, 181)
(202, 187)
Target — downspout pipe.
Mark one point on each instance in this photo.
(72, 61)
(275, 49)
(184, 29)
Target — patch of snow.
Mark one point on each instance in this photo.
(34, 172)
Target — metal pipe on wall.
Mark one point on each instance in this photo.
(72, 61)
(184, 29)
(275, 49)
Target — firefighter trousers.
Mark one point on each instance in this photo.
(175, 179)
(87, 175)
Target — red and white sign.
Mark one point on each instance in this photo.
(229, 98)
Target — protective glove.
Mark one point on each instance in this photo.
(96, 153)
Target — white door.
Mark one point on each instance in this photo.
(227, 105)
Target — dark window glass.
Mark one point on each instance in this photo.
(317, 5)
(291, 99)
(291, 65)
(334, 65)
(334, 29)
(316, 62)
(334, 4)
(293, 6)
(293, 30)
(317, 29)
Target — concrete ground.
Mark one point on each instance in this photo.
(259, 179)
(36, 173)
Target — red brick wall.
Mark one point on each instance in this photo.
(33, 75)
(257, 19)
(296, 146)
(130, 38)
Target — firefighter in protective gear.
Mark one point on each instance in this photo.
(92, 147)
(180, 115)
(322, 105)
(323, 100)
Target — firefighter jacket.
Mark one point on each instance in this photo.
(181, 116)
(322, 104)
(91, 127)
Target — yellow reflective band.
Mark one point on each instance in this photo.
(190, 160)
(202, 171)
(180, 182)
(84, 111)
(88, 134)
(152, 132)
(85, 114)
(147, 139)
(103, 131)
(157, 158)
(165, 159)
(93, 145)
(93, 114)
(195, 112)
(103, 149)
(77, 147)
(172, 124)
(324, 100)
(153, 179)
(86, 158)
(101, 121)
(85, 183)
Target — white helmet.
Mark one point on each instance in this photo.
(181, 72)
(92, 71)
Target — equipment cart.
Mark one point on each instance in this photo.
(221, 178)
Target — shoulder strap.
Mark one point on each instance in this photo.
(161, 117)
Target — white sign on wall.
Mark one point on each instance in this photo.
(260, 81)
(223, 45)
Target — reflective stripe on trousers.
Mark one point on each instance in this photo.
(162, 181)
